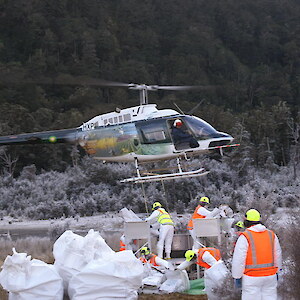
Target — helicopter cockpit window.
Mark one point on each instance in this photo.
(200, 128)
(153, 131)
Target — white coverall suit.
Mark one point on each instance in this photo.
(208, 282)
(255, 287)
(166, 233)
(207, 214)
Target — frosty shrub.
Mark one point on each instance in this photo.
(92, 187)
(290, 241)
(57, 230)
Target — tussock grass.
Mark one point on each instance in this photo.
(38, 248)
(290, 277)
(3, 294)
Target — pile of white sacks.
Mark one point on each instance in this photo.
(85, 268)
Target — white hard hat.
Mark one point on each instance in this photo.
(177, 123)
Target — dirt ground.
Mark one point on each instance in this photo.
(175, 296)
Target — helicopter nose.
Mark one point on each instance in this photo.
(222, 140)
(225, 135)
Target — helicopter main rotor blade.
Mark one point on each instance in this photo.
(9, 78)
(82, 80)
(184, 87)
(61, 79)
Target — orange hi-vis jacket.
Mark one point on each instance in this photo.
(260, 255)
(151, 260)
(213, 251)
(195, 215)
(122, 246)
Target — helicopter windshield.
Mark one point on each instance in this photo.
(200, 128)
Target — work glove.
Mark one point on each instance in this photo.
(238, 283)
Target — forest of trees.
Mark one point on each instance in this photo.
(247, 53)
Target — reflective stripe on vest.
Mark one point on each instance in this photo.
(164, 218)
(260, 256)
(213, 251)
(122, 246)
(195, 215)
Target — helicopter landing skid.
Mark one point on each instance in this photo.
(151, 178)
(161, 177)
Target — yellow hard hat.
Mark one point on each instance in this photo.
(156, 205)
(145, 251)
(189, 255)
(252, 215)
(204, 200)
(240, 224)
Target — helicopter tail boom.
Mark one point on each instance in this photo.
(44, 137)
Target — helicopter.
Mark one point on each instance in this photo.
(138, 134)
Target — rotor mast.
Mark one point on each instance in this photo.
(143, 88)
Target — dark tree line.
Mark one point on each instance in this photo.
(247, 51)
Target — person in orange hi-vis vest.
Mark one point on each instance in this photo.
(131, 244)
(154, 260)
(256, 260)
(122, 243)
(200, 212)
(205, 257)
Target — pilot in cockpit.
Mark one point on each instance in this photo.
(182, 139)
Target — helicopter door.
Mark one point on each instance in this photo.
(181, 135)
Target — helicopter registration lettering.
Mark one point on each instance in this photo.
(88, 126)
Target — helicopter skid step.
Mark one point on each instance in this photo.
(160, 177)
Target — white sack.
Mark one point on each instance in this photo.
(117, 277)
(73, 252)
(129, 215)
(177, 281)
(27, 279)
(226, 224)
(217, 273)
(153, 281)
